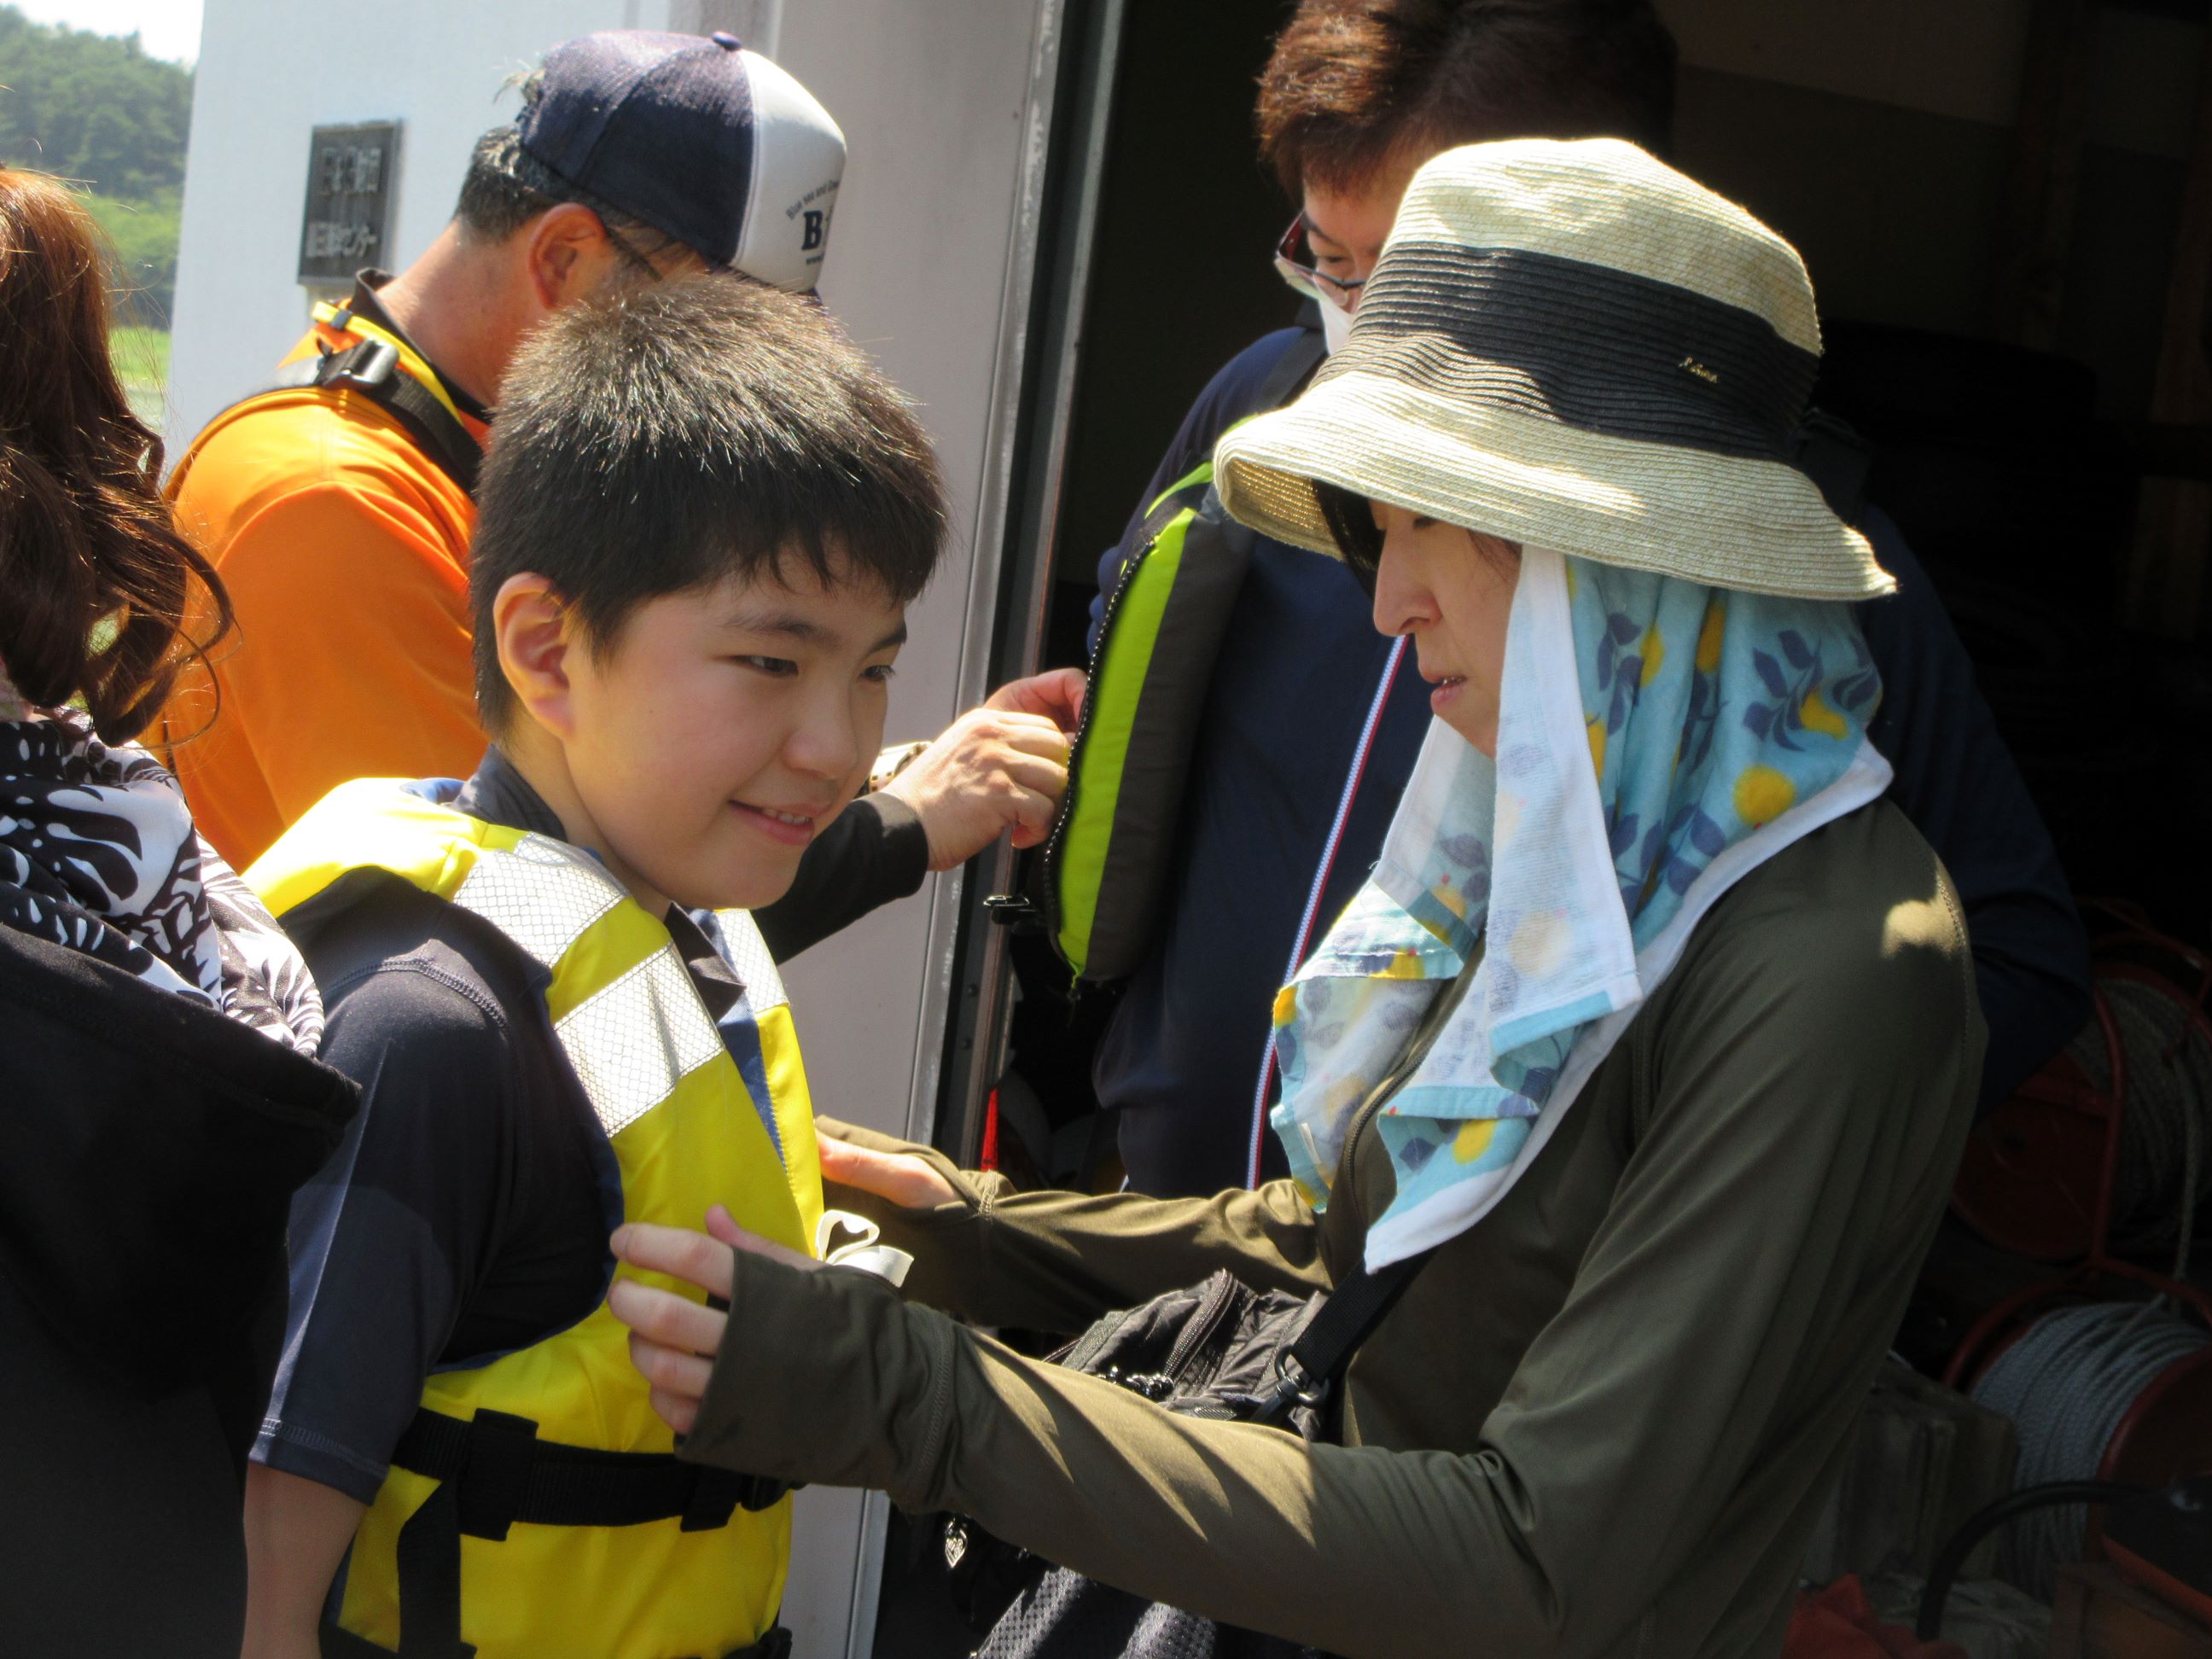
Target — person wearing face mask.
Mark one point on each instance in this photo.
(1283, 817)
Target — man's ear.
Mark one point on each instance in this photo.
(536, 634)
(567, 254)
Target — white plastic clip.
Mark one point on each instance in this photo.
(865, 1250)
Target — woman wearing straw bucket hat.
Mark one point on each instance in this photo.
(1282, 822)
(1639, 1066)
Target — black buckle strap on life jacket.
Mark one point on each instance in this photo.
(505, 1474)
(371, 367)
(492, 1471)
(339, 1643)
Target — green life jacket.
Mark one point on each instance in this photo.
(1106, 867)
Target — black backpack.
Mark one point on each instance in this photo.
(1219, 1350)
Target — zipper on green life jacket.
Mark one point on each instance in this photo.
(1056, 843)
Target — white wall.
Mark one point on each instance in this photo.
(926, 258)
(270, 70)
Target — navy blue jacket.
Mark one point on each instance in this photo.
(1181, 1057)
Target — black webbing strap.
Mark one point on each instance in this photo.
(1291, 371)
(504, 1473)
(1836, 459)
(338, 1642)
(429, 1569)
(1309, 1370)
(492, 1471)
(372, 369)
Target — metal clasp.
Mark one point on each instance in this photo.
(1294, 1383)
(367, 364)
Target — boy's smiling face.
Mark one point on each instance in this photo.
(703, 747)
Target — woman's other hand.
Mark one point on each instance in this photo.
(672, 1339)
(898, 1178)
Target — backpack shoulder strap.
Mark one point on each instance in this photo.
(1291, 371)
(1307, 1370)
(371, 369)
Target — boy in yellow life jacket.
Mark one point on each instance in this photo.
(704, 516)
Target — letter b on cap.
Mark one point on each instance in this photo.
(813, 233)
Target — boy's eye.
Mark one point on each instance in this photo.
(882, 673)
(781, 668)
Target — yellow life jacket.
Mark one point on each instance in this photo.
(535, 1506)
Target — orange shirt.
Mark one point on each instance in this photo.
(345, 551)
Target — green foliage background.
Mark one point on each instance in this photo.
(95, 110)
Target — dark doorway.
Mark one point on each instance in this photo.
(1182, 279)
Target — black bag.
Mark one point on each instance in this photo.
(1219, 1350)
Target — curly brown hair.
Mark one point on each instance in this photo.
(1353, 84)
(94, 579)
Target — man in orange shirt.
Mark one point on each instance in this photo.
(338, 507)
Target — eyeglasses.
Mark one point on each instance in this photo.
(1294, 257)
(631, 257)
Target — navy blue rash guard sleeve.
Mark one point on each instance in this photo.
(1958, 784)
(376, 1271)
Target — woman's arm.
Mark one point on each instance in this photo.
(1055, 1261)
(1671, 1432)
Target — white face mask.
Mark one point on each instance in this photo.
(1335, 320)
(1335, 323)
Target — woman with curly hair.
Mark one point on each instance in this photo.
(161, 1096)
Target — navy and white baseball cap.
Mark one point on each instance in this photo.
(698, 137)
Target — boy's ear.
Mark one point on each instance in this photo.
(535, 634)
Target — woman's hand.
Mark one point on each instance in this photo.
(899, 1178)
(672, 1339)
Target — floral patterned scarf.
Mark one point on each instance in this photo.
(1657, 740)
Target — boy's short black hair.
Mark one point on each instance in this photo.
(659, 437)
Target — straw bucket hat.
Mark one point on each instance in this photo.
(1570, 345)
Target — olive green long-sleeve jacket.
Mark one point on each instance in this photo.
(1601, 1421)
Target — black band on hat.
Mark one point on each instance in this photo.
(1593, 347)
